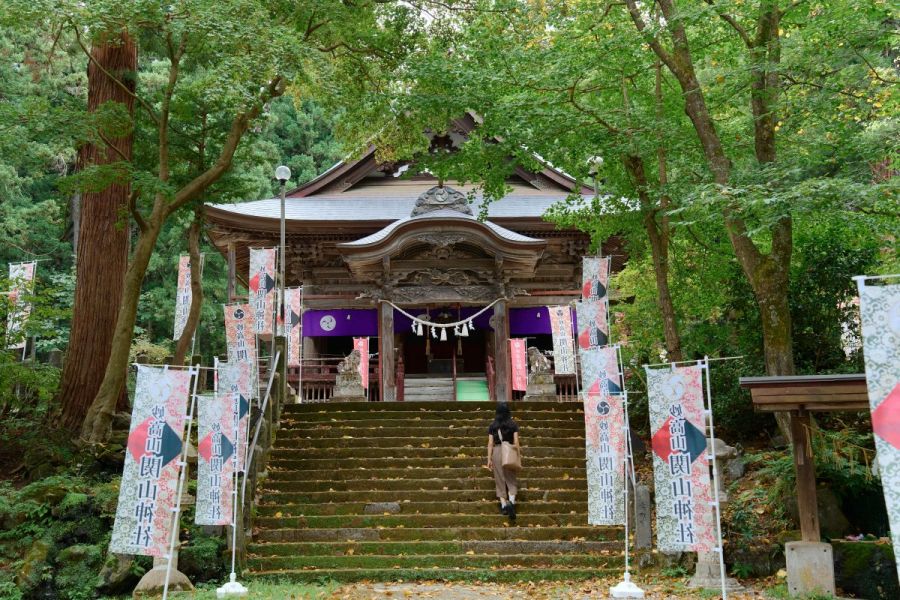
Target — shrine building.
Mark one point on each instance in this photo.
(368, 243)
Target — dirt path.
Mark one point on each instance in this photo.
(666, 589)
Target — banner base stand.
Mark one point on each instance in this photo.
(232, 589)
(626, 589)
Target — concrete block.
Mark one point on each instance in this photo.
(810, 568)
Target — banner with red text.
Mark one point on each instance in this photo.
(217, 431)
(262, 289)
(685, 521)
(593, 323)
(563, 347)
(605, 441)
(236, 378)
(293, 330)
(362, 344)
(880, 315)
(147, 493)
(518, 359)
(182, 295)
(21, 279)
(240, 342)
(594, 278)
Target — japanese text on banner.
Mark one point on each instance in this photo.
(234, 378)
(241, 343)
(216, 458)
(563, 348)
(519, 361)
(182, 295)
(685, 520)
(293, 321)
(605, 441)
(594, 278)
(262, 289)
(362, 344)
(149, 484)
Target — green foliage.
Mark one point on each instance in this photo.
(676, 572)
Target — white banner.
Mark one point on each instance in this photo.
(182, 295)
(605, 435)
(21, 277)
(262, 289)
(147, 493)
(880, 313)
(685, 521)
(236, 378)
(362, 344)
(563, 347)
(241, 344)
(217, 431)
(294, 330)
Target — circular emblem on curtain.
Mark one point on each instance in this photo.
(327, 323)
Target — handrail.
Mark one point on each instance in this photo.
(248, 453)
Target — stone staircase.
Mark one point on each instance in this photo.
(427, 389)
(387, 491)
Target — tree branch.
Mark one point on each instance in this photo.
(733, 22)
(653, 41)
(135, 213)
(144, 104)
(238, 127)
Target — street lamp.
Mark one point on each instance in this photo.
(282, 174)
(596, 162)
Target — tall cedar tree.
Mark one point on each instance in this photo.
(102, 251)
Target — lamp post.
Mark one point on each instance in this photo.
(282, 174)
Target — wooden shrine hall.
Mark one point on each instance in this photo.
(367, 239)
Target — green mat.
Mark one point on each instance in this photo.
(472, 391)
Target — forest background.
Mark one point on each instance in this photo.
(763, 199)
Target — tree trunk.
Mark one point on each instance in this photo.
(99, 416)
(190, 327)
(102, 242)
(658, 234)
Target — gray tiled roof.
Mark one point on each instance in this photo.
(386, 203)
(443, 215)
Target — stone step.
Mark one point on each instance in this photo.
(420, 451)
(398, 548)
(276, 476)
(499, 575)
(517, 407)
(524, 520)
(304, 496)
(293, 440)
(578, 533)
(422, 428)
(413, 507)
(431, 561)
(441, 416)
(412, 486)
(449, 462)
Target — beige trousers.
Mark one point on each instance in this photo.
(505, 480)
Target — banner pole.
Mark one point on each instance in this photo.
(626, 588)
(233, 588)
(712, 437)
(300, 395)
(179, 489)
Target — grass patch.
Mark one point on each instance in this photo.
(264, 590)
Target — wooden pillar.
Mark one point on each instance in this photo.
(501, 352)
(232, 272)
(805, 468)
(386, 352)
